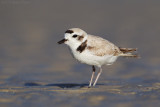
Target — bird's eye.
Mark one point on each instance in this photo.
(74, 36)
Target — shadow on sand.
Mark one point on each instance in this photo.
(60, 85)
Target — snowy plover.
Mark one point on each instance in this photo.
(93, 50)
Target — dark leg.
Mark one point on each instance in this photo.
(93, 71)
(99, 73)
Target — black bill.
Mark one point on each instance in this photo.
(62, 41)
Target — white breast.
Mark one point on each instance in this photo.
(90, 59)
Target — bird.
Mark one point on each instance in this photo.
(94, 50)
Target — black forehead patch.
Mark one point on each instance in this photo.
(69, 31)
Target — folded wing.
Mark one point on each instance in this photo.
(101, 47)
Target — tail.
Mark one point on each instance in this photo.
(128, 52)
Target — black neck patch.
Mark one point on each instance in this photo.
(69, 31)
(82, 47)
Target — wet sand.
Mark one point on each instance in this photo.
(112, 93)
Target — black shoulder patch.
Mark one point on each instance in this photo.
(82, 47)
(69, 31)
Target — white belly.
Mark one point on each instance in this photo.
(90, 59)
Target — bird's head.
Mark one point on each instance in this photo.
(74, 37)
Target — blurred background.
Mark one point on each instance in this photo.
(30, 29)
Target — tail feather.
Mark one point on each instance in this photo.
(128, 52)
(130, 55)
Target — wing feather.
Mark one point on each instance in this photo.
(101, 47)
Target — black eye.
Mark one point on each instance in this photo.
(74, 36)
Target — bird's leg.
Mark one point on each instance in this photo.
(93, 71)
(99, 73)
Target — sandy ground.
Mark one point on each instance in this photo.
(112, 94)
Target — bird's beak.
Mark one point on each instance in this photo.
(62, 41)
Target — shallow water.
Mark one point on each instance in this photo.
(36, 71)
